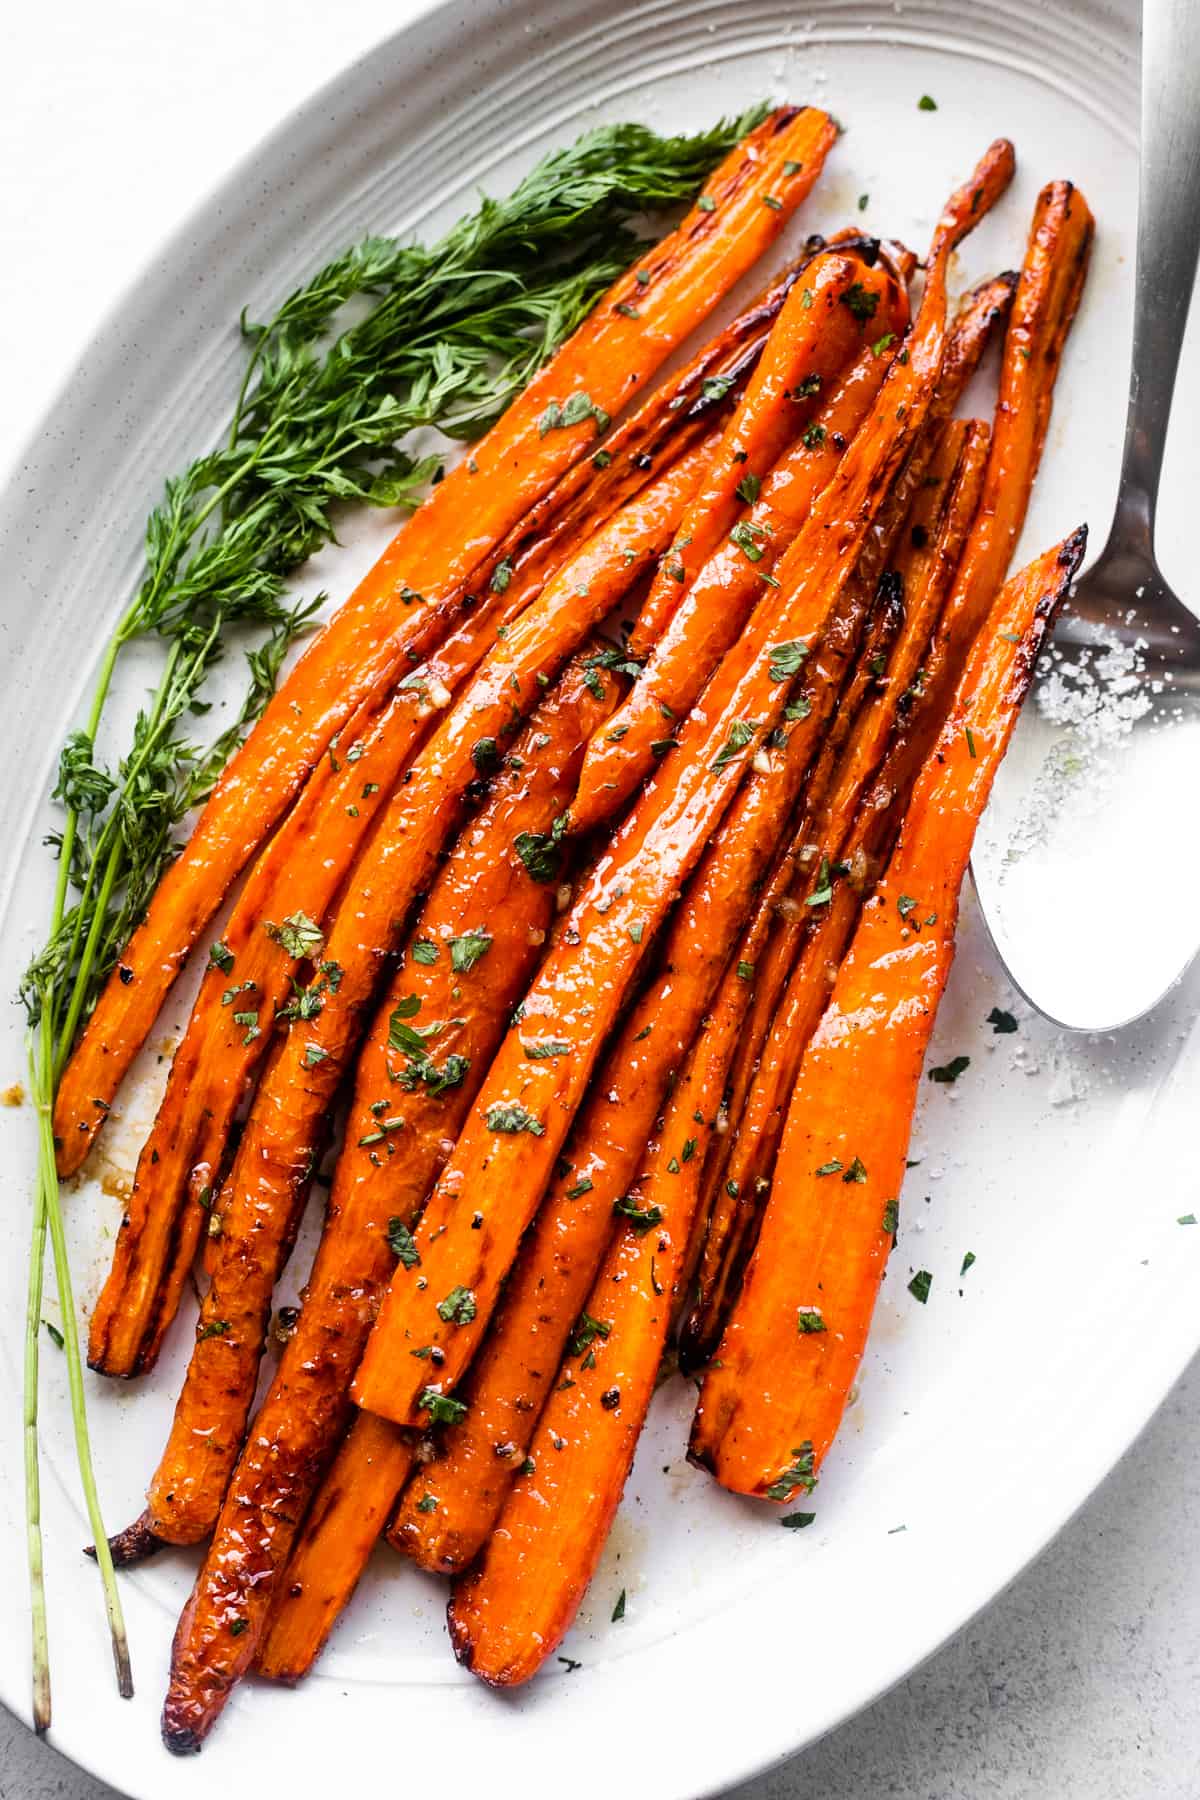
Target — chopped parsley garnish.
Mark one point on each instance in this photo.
(458, 1308)
(797, 1521)
(740, 734)
(299, 935)
(745, 971)
(467, 950)
(967, 1262)
(424, 951)
(618, 1611)
(891, 1218)
(314, 1054)
(948, 1072)
(587, 1330)
(920, 1285)
(485, 755)
(749, 540)
(809, 1319)
(642, 1218)
(511, 1118)
(573, 411)
(883, 343)
(427, 1504)
(748, 489)
(787, 659)
(583, 1186)
(538, 1049)
(861, 301)
(856, 1172)
(220, 956)
(813, 436)
(799, 1475)
(927, 103)
(214, 1328)
(443, 1409)
(541, 851)
(402, 1244)
(1001, 1021)
(832, 1167)
(822, 894)
(502, 576)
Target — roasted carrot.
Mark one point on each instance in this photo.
(524, 1111)
(159, 1233)
(340, 1532)
(422, 575)
(509, 1613)
(556, 1267)
(790, 995)
(1044, 306)
(713, 608)
(464, 923)
(771, 1403)
(813, 339)
(509, 1377)
(485, 888)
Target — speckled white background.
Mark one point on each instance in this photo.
(1083, 1679)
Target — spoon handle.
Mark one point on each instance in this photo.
(1168, 241)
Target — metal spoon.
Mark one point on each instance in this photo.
(1088, 870)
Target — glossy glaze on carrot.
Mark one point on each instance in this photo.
(375, 1194)
(772, 1400)
(282, 1132)
(421, 576)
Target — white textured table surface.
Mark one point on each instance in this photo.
(1084, 1678)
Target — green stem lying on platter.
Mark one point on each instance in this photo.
(453, 334)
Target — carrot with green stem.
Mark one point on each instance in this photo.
(429, 565)
(771, 1403)
(505, 1153)
(160, 1230)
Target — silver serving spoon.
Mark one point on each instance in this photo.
(1088, 869)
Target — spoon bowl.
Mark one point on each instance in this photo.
(1088, 868)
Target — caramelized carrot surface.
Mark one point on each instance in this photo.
(773, 1399)
(159, 1232)
(485, 919)
(421, 576)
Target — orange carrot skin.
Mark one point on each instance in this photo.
(511, 1611)
(771, 1403)
(714, 606)
(811, 341)
(572, 1230)
(612, 356)
(516, 1361)
(340, 1532)
(789, 994)
(297, 1425)
(280, 1137)
(1044, 306)
(210, 1416)
(525, 1109)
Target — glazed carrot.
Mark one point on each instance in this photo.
(159, 1232)
(557, 1263)
(771, 1403)
(510, 1375)
(512, 1609)
(525, 1109)
(510, 1612)
(713, 608)
(485, 886)
(1044, 306)
(813, 339)
(418, 583)
(464, 923)
(340, 1532)
(795, 992)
